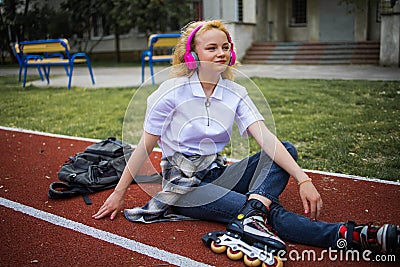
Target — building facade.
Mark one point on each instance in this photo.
(296, 20)
(250, 21)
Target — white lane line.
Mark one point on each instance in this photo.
(353, 177)
(20, 130)
(340, 175)
(103, 235)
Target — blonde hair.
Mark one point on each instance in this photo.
(179, 67)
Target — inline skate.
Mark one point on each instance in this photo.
(378, 239)
(248, 236)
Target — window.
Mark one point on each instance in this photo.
(299, 13)
(240, 10)
(99, 26)
(385, 7)
(198, 10)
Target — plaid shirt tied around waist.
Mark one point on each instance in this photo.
(181, 174)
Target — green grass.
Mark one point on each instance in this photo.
(95, 113)
(350, 127)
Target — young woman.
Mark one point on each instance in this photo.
(191, 118)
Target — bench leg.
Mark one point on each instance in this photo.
(143, 64)
(25, 72)
(19, 74)
(66, 70)
(46, 73)
(90, 69)
(40, 73)
(151, 71)
(71, 69)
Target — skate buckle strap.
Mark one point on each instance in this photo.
(350, 225)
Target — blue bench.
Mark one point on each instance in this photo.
(166, 41)
(43, 54)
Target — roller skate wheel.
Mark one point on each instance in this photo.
(277, 263)
(251, 261)
(217, 248)
(234, 254)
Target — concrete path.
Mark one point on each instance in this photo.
(131, 76)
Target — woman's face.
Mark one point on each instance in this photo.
(213, 46)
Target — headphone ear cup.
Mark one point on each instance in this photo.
(196, 59)
(233, 58)
(191, 60)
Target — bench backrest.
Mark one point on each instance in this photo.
(163, 40)
(43, 46)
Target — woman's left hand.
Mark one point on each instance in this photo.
(312, 201)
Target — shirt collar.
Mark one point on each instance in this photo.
(197, 90)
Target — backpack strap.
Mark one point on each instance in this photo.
(59, 190)
(153, 178)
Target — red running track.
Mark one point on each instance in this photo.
(37, 231)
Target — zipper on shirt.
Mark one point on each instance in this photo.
(207, 104)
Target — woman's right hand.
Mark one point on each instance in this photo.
(115, 201)
(112, 205)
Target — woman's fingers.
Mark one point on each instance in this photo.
(312, 201)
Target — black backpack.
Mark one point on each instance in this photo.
(98, 168)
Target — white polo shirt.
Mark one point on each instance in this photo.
(187, 122)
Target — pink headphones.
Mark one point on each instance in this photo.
(191, 59)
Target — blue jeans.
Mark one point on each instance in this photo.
(227, 190)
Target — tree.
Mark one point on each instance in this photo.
(157, 16)
(9, 25)
(21, 20)
(118, 16)
(76, 19)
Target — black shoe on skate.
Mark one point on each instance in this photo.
(252, 226)
(378, 239)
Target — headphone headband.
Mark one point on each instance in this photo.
(191, 36)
